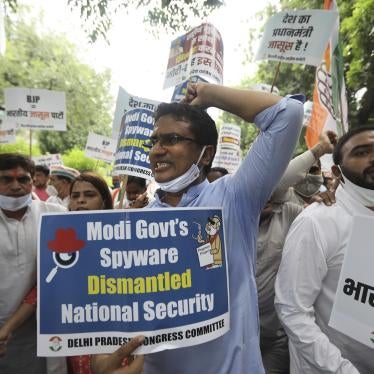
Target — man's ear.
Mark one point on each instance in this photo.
(208, 155)
(336, 171)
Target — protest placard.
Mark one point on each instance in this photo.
(298, 36)
(353, 309)
(131, 157)
(35, 109)
(100, 147)
(48, 160)
(105, 277)
(228, 148)
(199, 52)
(126, 102)
(7, 135)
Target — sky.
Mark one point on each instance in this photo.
(136, 59)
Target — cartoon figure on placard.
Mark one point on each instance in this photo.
(65, 249)
(210, 253)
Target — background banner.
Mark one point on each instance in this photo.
(35, 109)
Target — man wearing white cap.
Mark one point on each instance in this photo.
(61, 178)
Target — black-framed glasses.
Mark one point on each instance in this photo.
(7, 179)
(167, 140)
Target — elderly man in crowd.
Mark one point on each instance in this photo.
(61, 178)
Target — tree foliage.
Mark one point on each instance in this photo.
(172, 15)
(50, 62)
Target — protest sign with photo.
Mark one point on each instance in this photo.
(353, 309)
(228, 148)
(126, 102)
(105, 277)
(131, 156)
(100, 147)
(48, 160)
(297, 36)
(35, 109)
(199, 52)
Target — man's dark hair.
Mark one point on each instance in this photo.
(10, 161)
(43, 169)
(337, 154)
(218, 169)
(202, 125)
(141, 182)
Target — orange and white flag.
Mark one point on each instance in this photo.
(330, 110)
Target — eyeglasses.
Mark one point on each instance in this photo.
(7, 179)
(167, 140)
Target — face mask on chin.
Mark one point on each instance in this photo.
(309, 186)
(360, 194)
(184, 180)
(15, 203)
(51, 190)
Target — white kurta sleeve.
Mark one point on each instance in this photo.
(298, 284)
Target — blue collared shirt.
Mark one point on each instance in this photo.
(242, 197)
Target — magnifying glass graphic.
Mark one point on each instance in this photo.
(64, 261)
(65, 249)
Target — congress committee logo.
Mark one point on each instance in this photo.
(55, 343)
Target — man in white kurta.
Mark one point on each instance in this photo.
(312, 259)
(19, 219)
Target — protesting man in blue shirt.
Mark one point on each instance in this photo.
(183, 146)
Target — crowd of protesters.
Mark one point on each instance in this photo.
(286, 223)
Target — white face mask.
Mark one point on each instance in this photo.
(51, 190)
(15, 203)
(362, 195)
(309, 186)
(184, 180)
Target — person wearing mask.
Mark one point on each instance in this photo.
(312, 259)
(182, 149)
(19, 219)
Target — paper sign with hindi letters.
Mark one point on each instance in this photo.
(100, 147)
(48, 160)
(36, 109)
(199, 52)
(228, 148)
(107, 276)
(297, 36)
(7, 135)
(131, 156)
(353, 309)
(126, 102)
